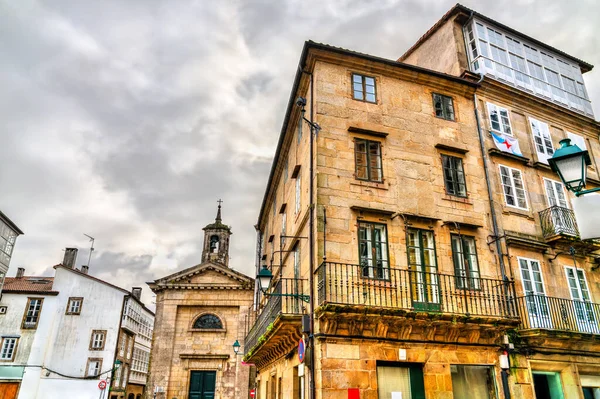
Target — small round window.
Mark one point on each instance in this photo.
(208, 321)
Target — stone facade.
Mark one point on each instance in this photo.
(445, 331)
(182, 344)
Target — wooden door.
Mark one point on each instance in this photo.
(8, 390)
(202, 384)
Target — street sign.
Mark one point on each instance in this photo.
(252, 392)
(301, 348)
(102, 384)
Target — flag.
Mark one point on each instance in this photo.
(507, 144)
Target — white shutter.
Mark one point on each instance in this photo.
(577, 139)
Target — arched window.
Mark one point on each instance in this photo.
(131, 396)
(139, 396)
(214, 244)
(208, 321)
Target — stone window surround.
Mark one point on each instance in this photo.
(87, 366)
(100, 348)
(71, 299)
(192, 329)
(14, 351)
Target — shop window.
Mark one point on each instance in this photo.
(472, 382)
(401, 381)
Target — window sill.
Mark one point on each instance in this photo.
(369, 184)
(496, 152)
(517, 212)
(462, 200)
(209, 330)
(541, 165)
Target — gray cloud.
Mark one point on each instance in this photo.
(127, 120)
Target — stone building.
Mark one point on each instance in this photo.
(413, 202)
(201, 312)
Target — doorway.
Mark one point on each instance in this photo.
(547, 385)
(202, 384)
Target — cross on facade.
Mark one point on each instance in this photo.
(220, 201)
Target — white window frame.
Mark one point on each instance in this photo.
(554, 187)
(513, 187)
(95, 372)
(9, 348)
(98, 338)
(503, 126)
(74, 305)
(283, 227)
(545, 137)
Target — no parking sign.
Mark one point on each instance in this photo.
(301, 347)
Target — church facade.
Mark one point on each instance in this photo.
(200, 312)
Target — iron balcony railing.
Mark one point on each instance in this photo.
(349, 284)
(540, 311)
(558, 220)
(275, 306)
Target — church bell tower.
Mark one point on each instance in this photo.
(216, 241)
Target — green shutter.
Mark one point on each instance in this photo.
(417, 385)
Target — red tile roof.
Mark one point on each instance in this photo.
(29, 284)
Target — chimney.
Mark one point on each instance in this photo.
(70, 257)
(84, 269)
(136, 292)
(20, 272)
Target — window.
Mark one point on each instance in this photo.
(117, 378)
(32, 313)
(7, 242)
(547, 385)
(9, 348)
(208, 322)
(499, 120)
(283, 227)
(299, 129)
(298, 194)
(373, 251)
(542, 139)
(422, 263)
(122, 344)
(405, 379)
(363, 88)
(454, 176)
(286, 171)
(125, 376)
(129, 346)
(513, 188)
(578, 140)
(367, 155)
(94, 367)
(97, 339)
(74, 306)
(472, 381)
(466, 268)
(443, 106)
(297, 261)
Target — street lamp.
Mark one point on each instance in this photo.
(265, 277)
(571, 162)
(236, 347)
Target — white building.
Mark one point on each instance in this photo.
(62, 334)
(8, 236)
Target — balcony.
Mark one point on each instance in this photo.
(548, 313)
(557, 222)
(277, 328)
(414, 291)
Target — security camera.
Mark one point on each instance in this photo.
(301, 101)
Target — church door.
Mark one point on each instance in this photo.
(202, 384)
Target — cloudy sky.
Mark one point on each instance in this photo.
(127, 120)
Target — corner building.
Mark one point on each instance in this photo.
(436, 234)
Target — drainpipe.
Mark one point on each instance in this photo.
(311, 210)
(504, 373)
(489, 188)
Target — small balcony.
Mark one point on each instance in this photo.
(548, 313)
(279, 320)
(558, 222)
(410, 291)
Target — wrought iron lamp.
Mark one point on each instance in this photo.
(265, 277)
(571, 162)
(236, 347)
